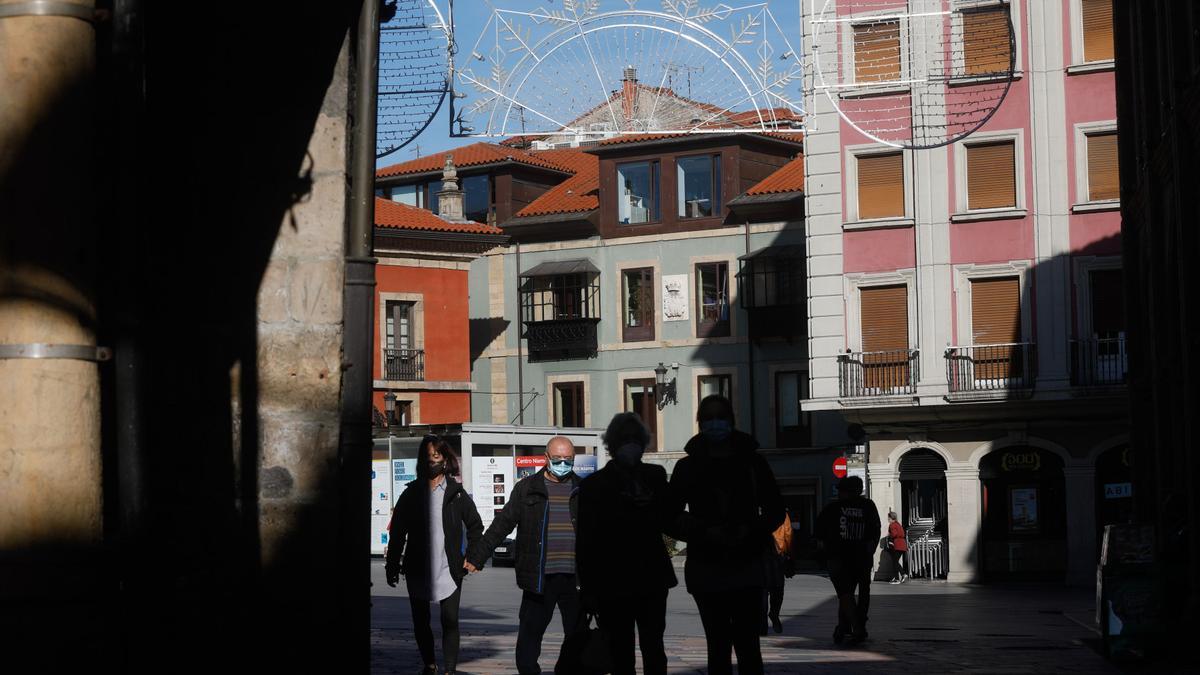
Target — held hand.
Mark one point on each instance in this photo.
(471, 569)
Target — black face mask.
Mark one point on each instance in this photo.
(436, 468)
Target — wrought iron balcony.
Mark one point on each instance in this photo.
(1099, 362)
(561, 339)
(404, 365)
(991, 368)
(886, 373)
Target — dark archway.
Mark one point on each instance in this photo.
(924, 512)
(1024, 515)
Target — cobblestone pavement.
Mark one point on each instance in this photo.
(915, 627)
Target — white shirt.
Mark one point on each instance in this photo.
(441, 583)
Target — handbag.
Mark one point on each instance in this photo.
(585, 651)
(886, 543)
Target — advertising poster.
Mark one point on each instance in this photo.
(491, 485)
(1024, 515)
(585, 465)
(381, 505)
(404, 471)
(528, 465)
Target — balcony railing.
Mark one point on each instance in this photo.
(886, 373)
(991, 368)
(561, 339)
(1099, 362)
(404, 365)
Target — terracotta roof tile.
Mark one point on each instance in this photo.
(789, 178)
(397, 216)
(474, 154)
(641, 138)
(577, 194)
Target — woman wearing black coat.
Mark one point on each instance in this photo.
(621, 561)
(426, 546)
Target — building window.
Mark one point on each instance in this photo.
(884, 319)
(712, 299)
(402, 415)
(412, 195)
(991, 175)
(698, 188)
(398, 328)
(792, 428)
(987, 48)
(995, 328)
(877, 52)
(1097, 30)
(568, 404)
(637, 292)
(714, 385)
(638, 193)
(880, 186)
(559, 297)
(1102, 171)
(639, 398)
(1108, 308)
(477, 197)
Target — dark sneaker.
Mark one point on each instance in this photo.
(776, 623)
(856, 638)
(839, 635)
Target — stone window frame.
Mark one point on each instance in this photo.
(962, 212)
(854, 283)
(562, 378)
(418, 323)
(1083, 200)
(965, 273)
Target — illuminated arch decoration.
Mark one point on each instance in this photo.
(596, 68)
(414, 52)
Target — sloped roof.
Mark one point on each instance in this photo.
(475, 154)
(658, 136)
(397, 216)
(789, 178)
(577, 194)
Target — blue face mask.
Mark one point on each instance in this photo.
(716, 430)
(561, 468)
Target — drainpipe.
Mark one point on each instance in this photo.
(354, 453)
(51, 522)
(520, 350)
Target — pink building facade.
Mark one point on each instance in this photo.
(975, 330)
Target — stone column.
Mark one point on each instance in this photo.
(1081, 525)
(885, 492)
(965, 516)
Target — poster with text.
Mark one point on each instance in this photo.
(404, 471)
(1024, 516)
(527, 465)
(491, 485)
(585, 465)
(381, 505)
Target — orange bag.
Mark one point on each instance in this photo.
(783, 536)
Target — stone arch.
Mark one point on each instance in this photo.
(1106, 445)
(989, 447)
(898, 453)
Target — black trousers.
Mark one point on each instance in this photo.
(772, 601)
(424, 633)
(536, 612)
(732, 620)
(852, 610)
(619, 614)
(899, 561)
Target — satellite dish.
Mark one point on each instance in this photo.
(920, 74)
(414, 48)
(588, 69)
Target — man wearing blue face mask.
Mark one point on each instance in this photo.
(733, 509)
(545, 507)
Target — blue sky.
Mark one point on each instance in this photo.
(471, 16)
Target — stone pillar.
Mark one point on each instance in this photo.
(965, 522)
(450, 198)
(1082, 555)
(885, 492)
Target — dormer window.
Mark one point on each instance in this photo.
(638, 193)
(698, 186)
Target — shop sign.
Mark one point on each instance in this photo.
(1029, 460)
(1118, 490)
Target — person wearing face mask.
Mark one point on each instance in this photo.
(623, 566)
(545, 506)
(425, 545)
(733, 508)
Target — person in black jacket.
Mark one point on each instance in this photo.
(848, 529)
(545, 505)
(733, 507)
(425, 545)
(623, 566)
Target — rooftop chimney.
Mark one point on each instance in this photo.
(450, 197)
(629, 94)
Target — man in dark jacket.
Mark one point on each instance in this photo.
(623, 565)
(733, 507)
(848, 530)
(544, 505)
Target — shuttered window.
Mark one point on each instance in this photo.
(996, 311)
(987, 49)
(877, 51)
(881, 186)
(1103, 175)
(991, 176)
(884, 312)
(1097, 30)
(1108, 304)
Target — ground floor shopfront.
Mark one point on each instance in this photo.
(995, 504)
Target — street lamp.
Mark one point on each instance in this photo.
(389, 407)
(664, 390)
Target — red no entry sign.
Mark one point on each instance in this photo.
(839, 467)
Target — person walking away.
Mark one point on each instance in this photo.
(848, 529)
(778, 561)
(622, 561)
(545, 507)
(733, 506)
(425, 545)
(897, 548)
